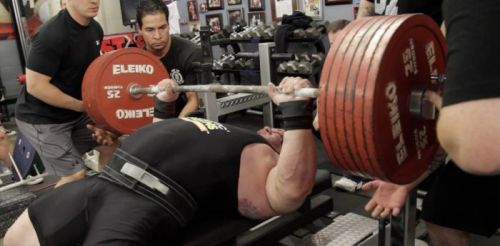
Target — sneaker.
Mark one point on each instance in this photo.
(8, 132)
(34, 181)
(91, 160)
(347, 184)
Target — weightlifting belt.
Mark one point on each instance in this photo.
(126, 170)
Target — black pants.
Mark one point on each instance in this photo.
(463, 201)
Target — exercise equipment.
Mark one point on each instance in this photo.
(313, 33)
(299, 33)
(368, 77)
(304, 67)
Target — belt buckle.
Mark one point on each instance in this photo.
(144, 177)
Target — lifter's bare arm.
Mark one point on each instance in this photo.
(292, 179)
(39, 86)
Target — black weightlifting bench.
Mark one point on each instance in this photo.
(232, 231)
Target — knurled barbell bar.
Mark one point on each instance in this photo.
(136, 90)
(372, 83)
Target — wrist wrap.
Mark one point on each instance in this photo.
(296, 114)
(164, 110)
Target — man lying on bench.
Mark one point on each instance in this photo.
(167, 172)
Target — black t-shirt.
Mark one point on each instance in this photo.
(62, 49)
(473, 36)
(395, 7)
(179, 63)
(200, 155)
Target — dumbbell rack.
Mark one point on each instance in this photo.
(229, 104)
(316, 70)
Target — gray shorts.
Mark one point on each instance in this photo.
(60, 146)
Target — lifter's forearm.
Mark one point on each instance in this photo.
(292, 179)
(39, 86)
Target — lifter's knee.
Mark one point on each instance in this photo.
(444, 236)
(70, 178)
(21, 233)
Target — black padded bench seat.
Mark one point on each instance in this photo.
(232, 231)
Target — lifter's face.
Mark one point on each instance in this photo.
(274, 136)
(155, 31)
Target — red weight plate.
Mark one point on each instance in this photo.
(409, 52)
(326, 99)
(358, 99)
(105, 89)
(363, 124)
(341, 77)
(357, 56)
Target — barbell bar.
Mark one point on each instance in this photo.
(136, 89)
(418, 106)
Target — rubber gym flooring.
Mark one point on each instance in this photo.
(344, 202)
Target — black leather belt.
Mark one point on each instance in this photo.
(127, 170)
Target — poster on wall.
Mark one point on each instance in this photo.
(194, 26)
(215, 4)
(313, 8)
(192, 8)
(235, 16)
(256, 5)
(173, 18)
(335, 2)
(215, 22)
(282, 7)
(233, 2)
(257, 18)
(203, 6)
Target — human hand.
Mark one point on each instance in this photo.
(284, 93)
(167, 92)
(434, 98)
(102, 136)
(387, 199)
(316, 123)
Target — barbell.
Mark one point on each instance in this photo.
(136, 90)
(372, 83)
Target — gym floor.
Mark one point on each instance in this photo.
(344, 202)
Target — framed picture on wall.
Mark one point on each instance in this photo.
(282, 7)
(257, 18)
(256, 5)
(235, 16)
(233, 2)
(335, 2)
(192, 10)
(313, 8)
(215, 4)
(194, 26)
(203, 6)
(215, 22)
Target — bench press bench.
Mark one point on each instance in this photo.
(240, 231)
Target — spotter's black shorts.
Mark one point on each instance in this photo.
(463, 201)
